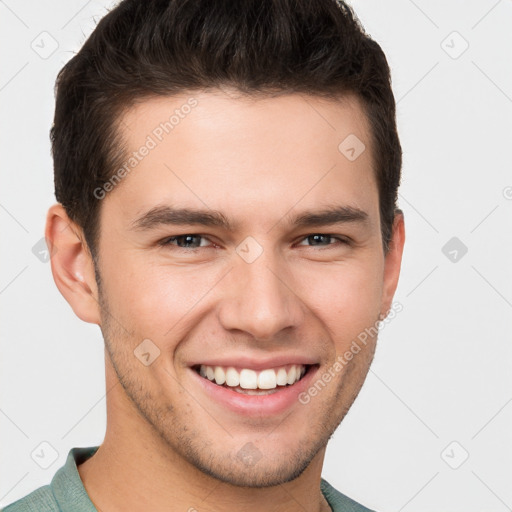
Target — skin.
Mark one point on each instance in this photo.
(260, 162)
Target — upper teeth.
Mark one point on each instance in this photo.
(250, 379)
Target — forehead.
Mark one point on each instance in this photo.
(217, 114)
(230, 152)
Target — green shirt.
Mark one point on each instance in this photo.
(66, 492)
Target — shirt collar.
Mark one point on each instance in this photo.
(66, 485)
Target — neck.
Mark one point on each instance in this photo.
(118, 479)
(134, 469)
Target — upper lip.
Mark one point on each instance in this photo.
(256, 364)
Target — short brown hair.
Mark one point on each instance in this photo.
(164, 47)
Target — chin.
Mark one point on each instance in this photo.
(258, 473)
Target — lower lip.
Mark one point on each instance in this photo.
(257, 405)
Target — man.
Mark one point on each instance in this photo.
(227, 176)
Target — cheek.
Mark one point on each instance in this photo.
(347, 298)
(154, 299)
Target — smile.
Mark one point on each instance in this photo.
(251, 382)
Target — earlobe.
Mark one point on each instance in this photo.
(393, 261)
(72, 264)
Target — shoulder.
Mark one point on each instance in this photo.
(65, 492)
(40, 500)
(339, 502)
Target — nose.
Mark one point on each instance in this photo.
(260, 299)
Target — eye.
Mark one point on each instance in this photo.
(187, 241)
(190, 241)
(319, 239)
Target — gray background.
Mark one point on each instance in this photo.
(439, 390)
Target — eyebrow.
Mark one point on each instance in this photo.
(167, 215)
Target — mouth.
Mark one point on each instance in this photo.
(247, 381)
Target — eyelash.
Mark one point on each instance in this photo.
(167, 241)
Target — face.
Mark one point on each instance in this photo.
(242, 245)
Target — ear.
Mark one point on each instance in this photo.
(72, 264)
(392, 262)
